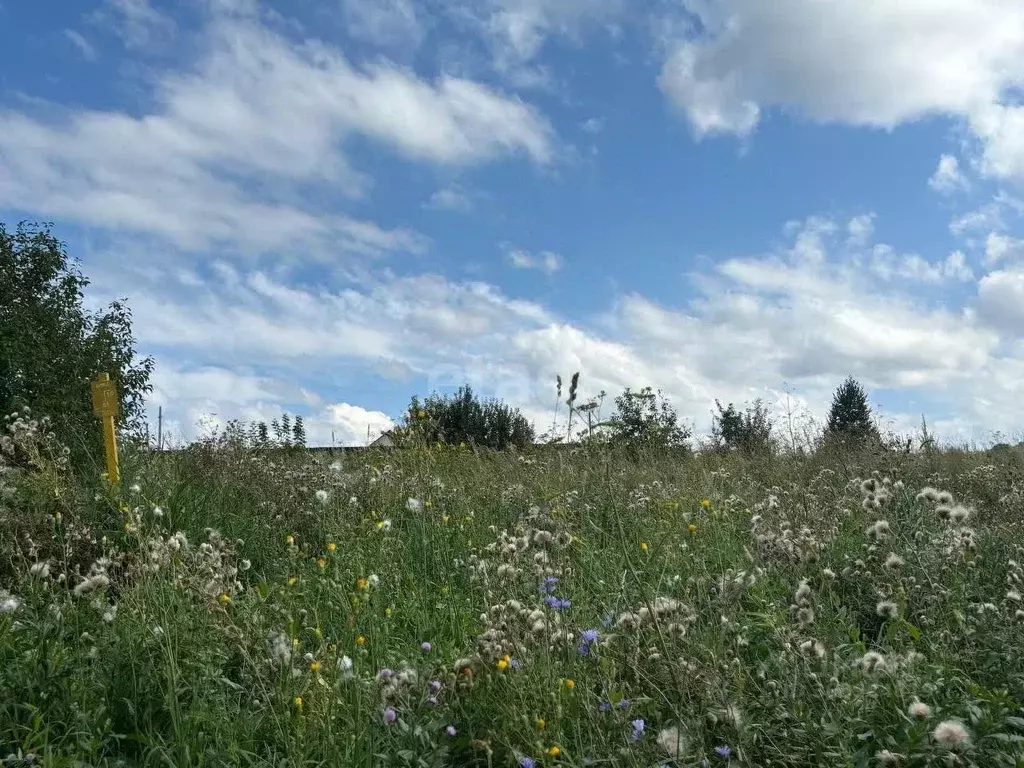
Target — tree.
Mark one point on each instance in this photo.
(464, 418)
(749, 431)
(645, 419)
(299, 433)
(849, 419)
(51, 347)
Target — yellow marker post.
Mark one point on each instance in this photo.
(104, 405)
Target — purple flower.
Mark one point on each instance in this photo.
(450, 731)
(638, 729)
(515, 663)
(549, 584)
(623, 704)
(390, 715)
(589, 636)
(582, 649)
(385, 674)
(557, 603)
(425, 647)
(604, 706)
(723, 752)
(527, 762)
(435, 686)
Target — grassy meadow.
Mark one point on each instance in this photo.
(556, 608)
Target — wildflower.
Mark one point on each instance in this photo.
(384, 525)
(360, 640)
(224, 598)
(893, 560)
(887, 609)
(135, 488)
(589, 635)
(390, 715)
(374, 580)
(97, 581)
(8, 602)
(570, 683)
(321, 563)
(502, 665)
(322, 496)
(331, 546)
(425, 647)
(290, 541)
(527, 762)
(951, 734)
(919, 710)
(643, 546)
(887, 757)
(723, 752)
(638, 730)
(872, 661)
(671, 741)
(548, 585)
(554, 751)
(292, 581)
(413, 505)
(706, 503)
(435, 686)
(540, 723)
(298, 703)
(40, 570)
(450, 731)
(345, 665)
(812, 648)
(692, 528)
(878, 530)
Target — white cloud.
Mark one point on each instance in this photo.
(255, 107)
(868, 64)
(1001, 300)
(947, 177)
(387, 23)
(451, 199)
(860, 229)
(345, 424)
(136, 22)
(807, 314)
(87, 49)
(887, 264)
(547, 262)
(1003, 248)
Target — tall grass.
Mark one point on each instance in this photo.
(448, 608)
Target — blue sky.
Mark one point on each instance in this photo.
(327, 206)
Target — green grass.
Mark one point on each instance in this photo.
(186, 672)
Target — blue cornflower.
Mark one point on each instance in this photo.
(589, 636)
(604, 706)
(527, 762)
(608, 620)
(549, 584)
(623, 704)
(638, 729)
(723, 752)
(515, 663)
(557, 603)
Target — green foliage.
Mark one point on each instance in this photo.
(749, 431)
(645, 420)
(463, 418)
(299, 433)
(51, 347)
(849, 419)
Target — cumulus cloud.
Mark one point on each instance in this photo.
(547, 262)
(947, 177)
(806, 315)
(859, 63)
(256, 106)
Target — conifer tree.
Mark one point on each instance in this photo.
(849, 419)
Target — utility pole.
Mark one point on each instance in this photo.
(160, 428)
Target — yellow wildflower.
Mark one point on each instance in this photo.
(331, 547)
(224, 598)
(541, 723)
(387, 611)
(290, 540)
(298, 702)
(643, 546)
(502, 665)
(421, 414)
(292, 581)
(570, 684)
(706, 503)
(314, 667)
(360, 640)
(692, 528)
(322, 563)
(554, 751)
(362, 584)
(427, 504)
(295, 642)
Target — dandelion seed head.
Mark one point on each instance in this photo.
(951, 734)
